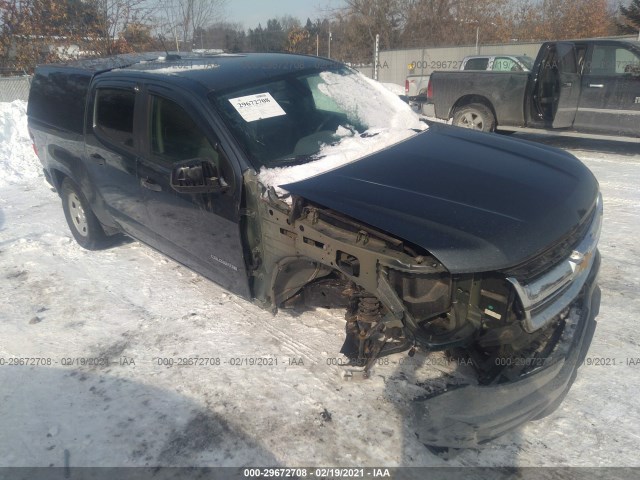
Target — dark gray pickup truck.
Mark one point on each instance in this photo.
(589, 86)
(241, 167)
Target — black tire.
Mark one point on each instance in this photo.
(476, 117)
(84, 225)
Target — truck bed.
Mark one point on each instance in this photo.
(504, 90)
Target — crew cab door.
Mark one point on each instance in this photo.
(568, 85)
(555, 92)
(610, 99)
(200, 230)
(112, 145)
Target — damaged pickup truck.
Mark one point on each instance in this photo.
(295, 181)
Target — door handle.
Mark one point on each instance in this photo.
(567, 84)
(150, 184)
(596, 85)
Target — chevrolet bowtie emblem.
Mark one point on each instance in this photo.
(576, 257)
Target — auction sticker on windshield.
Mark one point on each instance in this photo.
(257, 107)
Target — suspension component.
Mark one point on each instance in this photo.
(368, 334)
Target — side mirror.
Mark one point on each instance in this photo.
(197, 176)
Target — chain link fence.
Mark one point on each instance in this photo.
(14, 85)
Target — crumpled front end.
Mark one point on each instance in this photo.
(470, 415)
(557, 310)
(522, 330)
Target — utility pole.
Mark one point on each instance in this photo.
(329, 54)
(376, 51)
(317, 44)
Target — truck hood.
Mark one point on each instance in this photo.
(478, 202)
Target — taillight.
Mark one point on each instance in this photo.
(406, 86)
(430, 89)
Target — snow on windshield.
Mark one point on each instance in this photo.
(388, 119)
(373, 104)
(394, 88)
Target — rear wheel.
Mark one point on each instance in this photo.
(476, 117)
(84, 225)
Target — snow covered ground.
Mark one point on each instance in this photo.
(136, 308)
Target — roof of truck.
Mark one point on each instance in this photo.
(102, 64)
(214, 72)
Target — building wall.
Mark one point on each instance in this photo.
(367, 71)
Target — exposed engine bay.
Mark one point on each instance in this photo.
(397, 296)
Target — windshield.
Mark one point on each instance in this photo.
(296, 119)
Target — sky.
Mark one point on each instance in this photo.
(251, 12)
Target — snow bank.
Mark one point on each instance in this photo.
(18, 162)
(394, 88)
(389, 121)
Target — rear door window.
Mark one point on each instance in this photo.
(613, 61)
(47, 99)
(477, 63)
(113, 115)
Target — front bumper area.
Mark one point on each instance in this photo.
(470, 415)
(544, 298)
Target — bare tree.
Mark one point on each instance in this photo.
(169, 22)
(422, 23)
(40, 31)
(224, 35)
(558, 19)
(451, 22)
(183, 18)
(116, 16)
(383, 17)
(289, 22)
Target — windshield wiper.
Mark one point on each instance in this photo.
(288, 161)
(369, 134)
